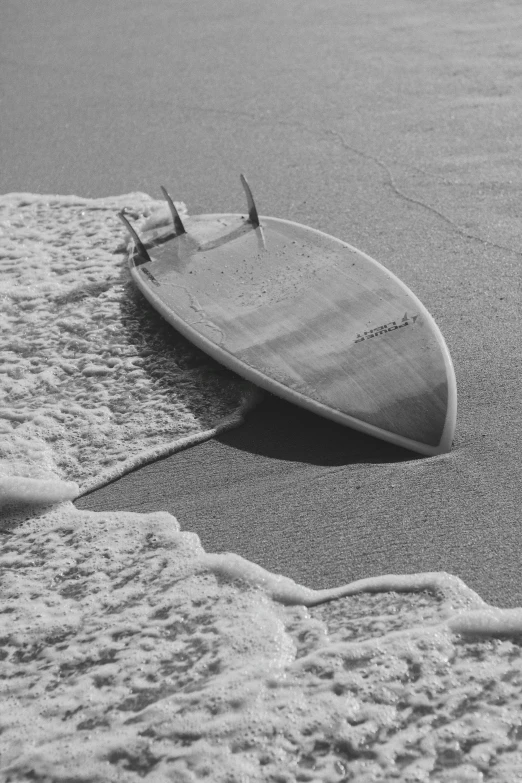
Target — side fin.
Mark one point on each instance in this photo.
(142, 250)
(252, 211)
(178, 225)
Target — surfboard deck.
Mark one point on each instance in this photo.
(307, 317)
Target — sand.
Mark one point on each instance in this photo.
(391, 125)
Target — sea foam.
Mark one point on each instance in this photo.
(93, 382)
(126, 651)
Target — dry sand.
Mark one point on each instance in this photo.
(392, 125)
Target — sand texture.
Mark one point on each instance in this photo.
(394, 126)
(127, 652)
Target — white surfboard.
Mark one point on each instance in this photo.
(307, 317)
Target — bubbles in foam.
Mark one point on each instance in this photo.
(131, 653)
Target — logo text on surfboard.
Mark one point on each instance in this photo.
(149, 275)
(389, 327)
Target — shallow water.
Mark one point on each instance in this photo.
(126, 651)
(93, 381)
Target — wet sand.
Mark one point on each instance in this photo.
(390, 125)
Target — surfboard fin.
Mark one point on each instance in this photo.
(252, 211)
(179, 228)
(142, 250)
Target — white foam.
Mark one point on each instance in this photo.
(93, 383)
(18, 490)
(128, 651)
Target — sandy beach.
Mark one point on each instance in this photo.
(135, 648)
(391, 126)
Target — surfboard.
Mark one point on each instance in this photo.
(305, 316)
